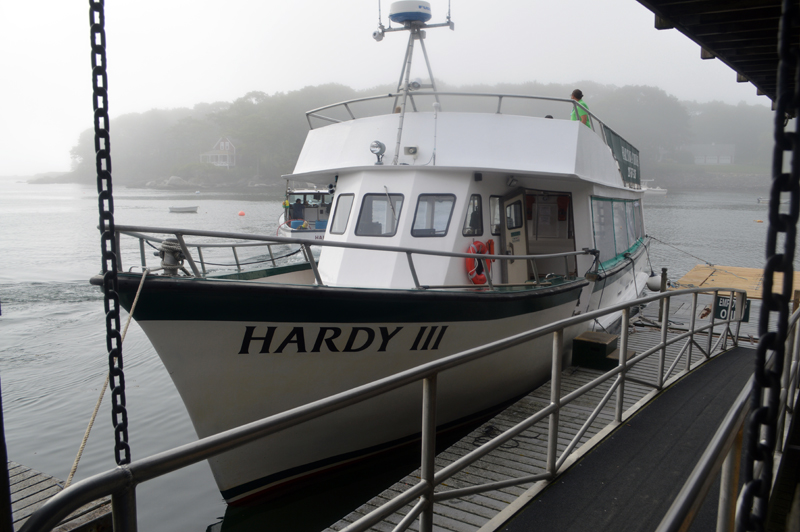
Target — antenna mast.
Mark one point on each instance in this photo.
(413, 15)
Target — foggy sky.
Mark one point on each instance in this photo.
(176, 53)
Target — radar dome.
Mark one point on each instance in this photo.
(410, 11)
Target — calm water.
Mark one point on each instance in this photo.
(52, 336)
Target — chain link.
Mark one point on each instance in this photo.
(763, 421)
(108, 244)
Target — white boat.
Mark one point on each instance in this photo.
(183, 209)
(652, 191)
(766, 200)
(558, 202)
(305, 213)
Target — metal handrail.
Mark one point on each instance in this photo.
(121, 482)
(500, 96)
(267, 240)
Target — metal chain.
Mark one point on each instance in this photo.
(762, 424)
(108, 244)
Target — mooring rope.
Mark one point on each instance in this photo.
(103, 391)
(704, 261)
(707, 263)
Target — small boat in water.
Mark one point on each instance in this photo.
(305, 213)
(652, 191)
(446, 230)
(766, 200)
(183, 209)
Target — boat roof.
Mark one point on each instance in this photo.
(496, 144)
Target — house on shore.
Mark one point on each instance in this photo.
(222, 154)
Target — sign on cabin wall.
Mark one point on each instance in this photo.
(627, 156)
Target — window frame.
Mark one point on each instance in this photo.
(336, 213)
(464, 228)
(391, 195)
(449, 217)
(520, 215)
(499, 200)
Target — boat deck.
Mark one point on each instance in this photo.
(638, 463)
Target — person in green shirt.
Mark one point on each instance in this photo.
(582, 115)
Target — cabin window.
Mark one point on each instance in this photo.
(514, 217)
(433, 214)
(343, 206)
(379, 214)
(603, 223)
(473, 222)
(637, 208)
(630, 218)
(494, 214)
(620, 228)
(617, 226)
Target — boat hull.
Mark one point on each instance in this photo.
(616, 284)
(303, 234)
(235, 359)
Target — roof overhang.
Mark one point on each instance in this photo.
(743, 34)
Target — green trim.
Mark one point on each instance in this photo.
(622, 267)
(261, 274)
(610, 263)
(182, 298)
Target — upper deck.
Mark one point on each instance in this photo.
(476, 135)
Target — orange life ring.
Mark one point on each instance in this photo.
(475, 269)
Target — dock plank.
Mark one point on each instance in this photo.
(30, 489)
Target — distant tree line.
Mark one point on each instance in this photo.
(268, 130)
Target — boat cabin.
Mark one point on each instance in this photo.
(307, 205)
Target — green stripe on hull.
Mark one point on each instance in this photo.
(261, 274)
(165, 298)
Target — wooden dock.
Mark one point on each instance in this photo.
(750, 279)
(30, 489)
(526, 454)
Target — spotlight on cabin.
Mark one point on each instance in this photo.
(378, 148)
(512, 182)
(378, 35)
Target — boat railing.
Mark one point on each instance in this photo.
(240, 240)
(596, 124)
(121, 482)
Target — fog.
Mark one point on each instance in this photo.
(183, 52)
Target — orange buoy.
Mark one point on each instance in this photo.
(241, 213)
(759, 222)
